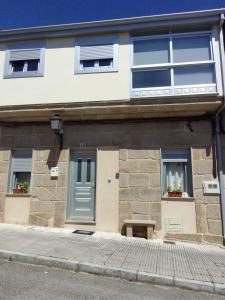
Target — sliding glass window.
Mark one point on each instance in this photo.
(173, 60)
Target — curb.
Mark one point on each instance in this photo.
(129, 275)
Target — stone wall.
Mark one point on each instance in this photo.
(208, 216)
(140, 185)
(49, 200)
(4, 171)
(139, 145)
(49, 196)
(140, 194)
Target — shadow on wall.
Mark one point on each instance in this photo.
(53, 158)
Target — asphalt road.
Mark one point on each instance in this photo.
(20, 281)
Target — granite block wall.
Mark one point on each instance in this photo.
(139, 163)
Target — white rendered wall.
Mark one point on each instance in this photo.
(60, 84)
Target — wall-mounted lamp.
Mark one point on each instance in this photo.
(57, 125)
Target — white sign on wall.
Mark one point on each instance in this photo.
(211, 187)
(54, 171)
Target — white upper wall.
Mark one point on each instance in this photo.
(60, 84)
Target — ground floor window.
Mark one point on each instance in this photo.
(176, 173)
(20, 173)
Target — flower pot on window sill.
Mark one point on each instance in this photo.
(19, 191)
(175, 194)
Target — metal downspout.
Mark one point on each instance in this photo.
(220, 173)
(218, 132)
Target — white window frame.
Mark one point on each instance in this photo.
(173, 90)
(8, 72)
(96, 66)
(94, 41)
(188, 170)
(24, 68)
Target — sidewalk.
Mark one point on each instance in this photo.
(200, 267)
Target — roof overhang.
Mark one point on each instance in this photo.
(195, 18)
(110, 111)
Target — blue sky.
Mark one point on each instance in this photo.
(28, 13)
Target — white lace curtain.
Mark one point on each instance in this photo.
(175, 176)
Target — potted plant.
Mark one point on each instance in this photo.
(21, 187)
(174, 192)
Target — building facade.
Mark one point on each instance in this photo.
(139, 100)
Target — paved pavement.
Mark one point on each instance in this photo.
(27, 282)
(181, 264)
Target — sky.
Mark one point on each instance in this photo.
(30, 13)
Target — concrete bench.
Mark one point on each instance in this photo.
(149, 224)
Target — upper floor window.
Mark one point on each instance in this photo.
(173, 64)
(24, 61)
(96, 55)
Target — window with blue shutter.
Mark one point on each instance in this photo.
(96, 55)
(21, 166)
(176, 173)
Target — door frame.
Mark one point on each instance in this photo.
(69, 196)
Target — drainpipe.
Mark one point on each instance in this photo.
(218, 131)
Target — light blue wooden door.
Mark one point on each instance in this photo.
(82, 186)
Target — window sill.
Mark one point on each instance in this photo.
(93, 71)
(23, 75)
(178, 199)
(18, 195)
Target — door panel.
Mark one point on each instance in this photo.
(82, 186)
